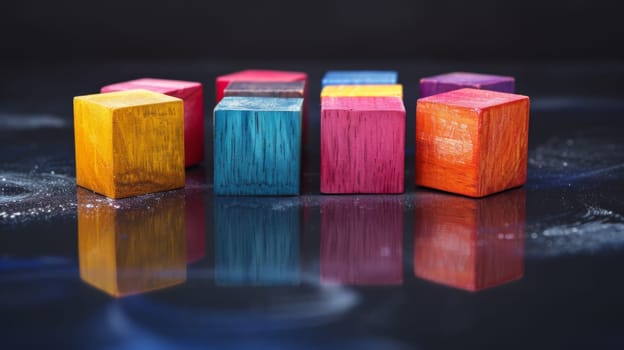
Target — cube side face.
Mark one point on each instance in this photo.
(431, 86)
(193, 124)
(148, 142)
(359, 77)
(93, 134)
(395, 90)
(445, 241)
(362, 151)
(253, 75)
(295, 89)
(508, 86)
(447, 148)
(257, 152)
(503, 147)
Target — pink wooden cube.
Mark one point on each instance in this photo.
(193, 96)
(362, 144)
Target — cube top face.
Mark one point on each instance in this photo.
(472, 145)
(129, 143)
(395, 90)
(388, 103)
(457, 80)
(257, 148)
(269, 104)
(127, 99)
(362, 150)
(362, 77)
(256, 75)
(293, 89)
(473, 98)
(164, 86)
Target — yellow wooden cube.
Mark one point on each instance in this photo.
(394, 90)
(129, 143)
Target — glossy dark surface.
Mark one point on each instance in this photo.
(537, 267)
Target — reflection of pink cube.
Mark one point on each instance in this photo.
(361, 240)
(193, 96)
(453, 81)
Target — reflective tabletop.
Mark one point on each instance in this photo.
(534, 267)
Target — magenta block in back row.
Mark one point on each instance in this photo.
(452, 81)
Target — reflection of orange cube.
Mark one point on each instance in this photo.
(472, 142)
(127, 247)
(129, 143)
(470, 244)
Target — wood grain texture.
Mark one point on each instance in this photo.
(472, 142)
(360, 77)
(129, 143)
(266, 89)
(256, 241)
(257, 75)
(192, 94)
(395, 90)
(452, 81)
(362, 145)
(126, 249)
(470, 244)
(361, 241)
(257, 146)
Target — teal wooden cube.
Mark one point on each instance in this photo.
(257, 146)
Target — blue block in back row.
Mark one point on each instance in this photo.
(360, 77)
(257, 146)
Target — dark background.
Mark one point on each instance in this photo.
(73, 30)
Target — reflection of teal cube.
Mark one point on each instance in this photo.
(257, 146)
(256, 241)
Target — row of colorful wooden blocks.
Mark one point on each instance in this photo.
(134, 139)
(459, 242)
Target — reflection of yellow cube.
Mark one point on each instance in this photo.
(393, 90)
(129, 143)
(131, 247)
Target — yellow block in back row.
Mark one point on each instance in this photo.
(394, 90)
(129, 143)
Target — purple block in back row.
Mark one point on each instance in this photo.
(452, 81)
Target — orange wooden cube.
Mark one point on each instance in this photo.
(472, 142)
(470, 244)
(129, 143)
(133, 246)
